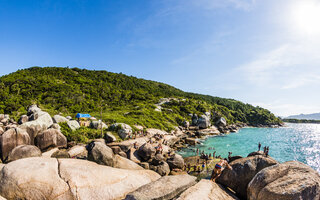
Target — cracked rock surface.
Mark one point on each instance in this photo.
(285, 181)
(207, 190)
(50, 178)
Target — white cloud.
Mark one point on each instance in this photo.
(288, 66)
(214, 4)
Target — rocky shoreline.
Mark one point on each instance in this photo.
(39, 163)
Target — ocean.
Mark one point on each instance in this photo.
(299, 142)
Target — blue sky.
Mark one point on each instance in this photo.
(265, 53)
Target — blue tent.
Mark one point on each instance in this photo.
(80, 115)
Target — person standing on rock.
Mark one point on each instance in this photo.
(259, 146)
(219, 167)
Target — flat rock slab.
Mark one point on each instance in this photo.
(164, 188)
(53, 179)
(91, 181)
(207, 190)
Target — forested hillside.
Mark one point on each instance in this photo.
(122, 98)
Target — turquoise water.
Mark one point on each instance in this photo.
(299, 142)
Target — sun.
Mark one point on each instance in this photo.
(305, 16)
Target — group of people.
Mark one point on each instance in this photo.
(265, 149)
(137, 134)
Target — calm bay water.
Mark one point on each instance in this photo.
(299, 142)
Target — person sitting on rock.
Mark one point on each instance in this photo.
(219, 167)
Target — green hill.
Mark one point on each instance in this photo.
(121, 98)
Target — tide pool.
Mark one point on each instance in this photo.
(299, 142)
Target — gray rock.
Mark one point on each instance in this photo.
(165, 188)
(162, 169)
(33, 178)
(33, 130)
(132, 154)
(78, 152)
(68, 117)
(204, 122)
(207, 190)
(256, 153)
(50, 178)
(286, 181)
(60, 154)
(124, 163)
(38, 117)
(122, 129)
(243, 170)
(100, 153)
(194, 120)
(186, 124)
(11, 139)
(145, 165)
(73, 125)
(146, 152)
(222, 122)
(176, 162)
(233, 158)
(24, 151)
(23, 119)
(98, 125)
(51, 138)
(109, 137)
(158, 160)
(59, 119)
(56, 126)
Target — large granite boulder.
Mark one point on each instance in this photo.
(59, 119)
(100, 153)
(194, 120)
(23, 119)
(98, 125)
(109, 137)
(33, 130)
(256, 153)
(163, 168)
(12, 138)
(78, 152)
(286, 181)
(132, 154)
(204, 121)
(38, 117)
(124, 163)
(55, 126)
(73, 125)
(33, 178)
(207, 190)
(243, 170)
(24, 151)
(176, 162)
(49, 178)
(51, 138)
(221, 122)
(146, 151)
(165, 188)
(170, 140)
(123, 130)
